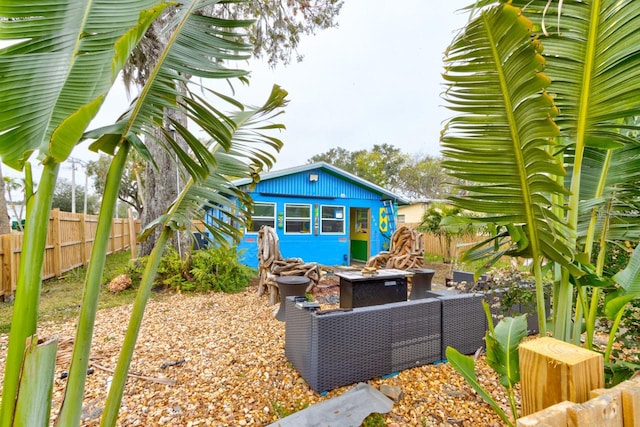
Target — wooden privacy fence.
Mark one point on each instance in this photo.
(432, 245)
(69, 243)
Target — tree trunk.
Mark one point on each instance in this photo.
(162, 188)
(5, 223)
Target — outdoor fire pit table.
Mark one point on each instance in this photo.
(383, 287)
(290, 286)
(420, 282)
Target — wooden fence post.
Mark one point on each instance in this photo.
(112, 237)
(133, 242)
(552, 371)
(7, 265)
(55, 232)
(83, 239)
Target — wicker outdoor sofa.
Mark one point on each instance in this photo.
(343, 347)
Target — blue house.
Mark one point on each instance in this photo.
(321, 214)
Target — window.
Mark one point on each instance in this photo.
(297, 218)
(263, 214)
(332, 218)
(401, 219)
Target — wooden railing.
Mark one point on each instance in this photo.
(69, 243)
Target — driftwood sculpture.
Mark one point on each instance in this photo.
(271, 265)
(405, 251)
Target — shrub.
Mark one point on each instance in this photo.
(173, 271)
(218, 269)
(210, 269)
(506, 288)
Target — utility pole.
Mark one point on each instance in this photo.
(82, 163)
(73, 185)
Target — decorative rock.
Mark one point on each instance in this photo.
(393, 392)
(120, 283)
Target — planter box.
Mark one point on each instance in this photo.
(495, 297)
(466, 276)
(343, 347)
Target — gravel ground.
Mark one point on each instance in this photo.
(224, 355)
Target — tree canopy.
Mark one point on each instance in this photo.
(62, 198)
(417, 177)
(132, 185)
(275, 34)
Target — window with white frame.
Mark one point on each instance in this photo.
(297, 218)
(332, 219)
(263, 214)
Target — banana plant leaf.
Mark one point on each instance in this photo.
(465, 367)
(502, 348)
(33, 406)
(241, 156)
(59, 68)
(196, 46)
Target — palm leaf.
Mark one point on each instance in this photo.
(58, 70)
(594, 62)
(609, 203)
(239, 159)
(196, 46)
(500, 141)
(595, 67)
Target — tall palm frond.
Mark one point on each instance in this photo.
(593, 51)
(61, 62)
(197, 46)
(241, 157)
(500, 141)
(248, 151)
(612, 209)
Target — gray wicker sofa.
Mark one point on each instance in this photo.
(343, 347)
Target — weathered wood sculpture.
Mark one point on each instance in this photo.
(405, 251)
(271, 265)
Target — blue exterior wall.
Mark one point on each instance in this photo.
(329, 189)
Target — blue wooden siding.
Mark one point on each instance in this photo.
(327, 185)
(327, 249)
(329, 189)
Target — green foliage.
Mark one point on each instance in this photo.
(62, 198)
(381, 165)
(173, 270)
(374, 420)
(507, 288)
(210, 269)
(129, 191)
(502, 344)
(420, 176)
(282, 411)
(619, 371)
(218, 269)
(552, 167)
(433, 216)
(464, 365)
(434, 221)
(616, 257)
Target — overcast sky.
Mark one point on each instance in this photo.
(375, 79)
